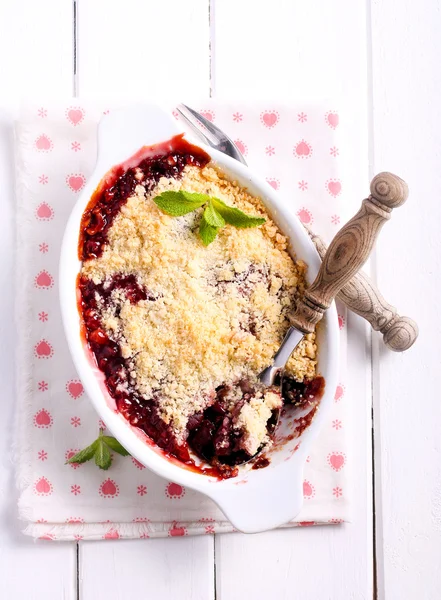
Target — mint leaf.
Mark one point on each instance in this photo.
(99, 449)
(207, 232)
(114, 445)
(84, 455)
(212, 217)
(234, 216)
(103, 458)
(179, 203)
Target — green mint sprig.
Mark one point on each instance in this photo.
(100, 450)
(215, 216)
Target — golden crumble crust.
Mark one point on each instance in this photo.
(219, 312)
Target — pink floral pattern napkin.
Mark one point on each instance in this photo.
(299, 151)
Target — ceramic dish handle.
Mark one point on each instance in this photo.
(349, 249)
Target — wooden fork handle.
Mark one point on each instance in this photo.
(349, 249)
(363, 297)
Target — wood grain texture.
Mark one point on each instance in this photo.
(36, 59)
(313, 563)
(288, 50)
(132, 49)
(363, 297)
(406, 98)
(349, 250)
(161, 569)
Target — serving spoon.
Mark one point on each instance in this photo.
(344, 257)
(360, 294)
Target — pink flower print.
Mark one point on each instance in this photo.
(332, 119)
(308, 490)
(42, 455)
(141, 490)
(174, 490)
(42, 113)
(101, 424)
(43, 419)
(175, 114)
(43, 247)
(302, 149)
(44, 212)
(335, 521)
(43, 386)
(41, 521)
(270, 151)
(75, 181)
(176, 531)
(333, 186)
(43, 179)
(337, 492)
(43, 316)
(109, 489)
(270, 118)
(336, 424)
(341, 321)
(302, 117)
(337, 460)
(209, 529)
(43, 487)
(335, 220)
(43, 350)
(74, 520)
(144, 536)
(303, 185)
(334, 151)
(75, 421)
(75, 115)
(75, 146)
(75, 490)
(242, 147)
(305, 216)
(78, 538)
(339, 392)
(208, 114)
(137, 464)
(43, 143)
(237, 117)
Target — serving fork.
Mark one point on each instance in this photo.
(360, 294)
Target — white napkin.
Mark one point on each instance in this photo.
(298, 149)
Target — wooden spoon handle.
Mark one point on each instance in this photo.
(349, 249)
(363, 297)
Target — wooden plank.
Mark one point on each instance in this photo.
(282, 49)
(406, 96)
(143, 49)
(36, 59)
(323, 562)
(36, 49)
(157, 568)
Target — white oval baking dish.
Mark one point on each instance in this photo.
(256, 500)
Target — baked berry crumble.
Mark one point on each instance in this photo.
(181, 330)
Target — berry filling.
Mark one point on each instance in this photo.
(233, 419)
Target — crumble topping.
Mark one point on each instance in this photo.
(212, 315)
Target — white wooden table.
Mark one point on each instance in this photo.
(383, 58)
